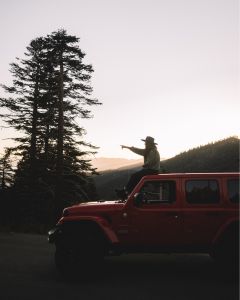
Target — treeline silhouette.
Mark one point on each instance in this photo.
(51, 90)
(221, 156)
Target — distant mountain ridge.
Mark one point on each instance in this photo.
(221, 156)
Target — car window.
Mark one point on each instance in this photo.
(202, 191)
(157, 192)
(233, 190)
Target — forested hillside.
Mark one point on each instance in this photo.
(221, 156)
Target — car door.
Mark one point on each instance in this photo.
(203, 211)
(157, 220)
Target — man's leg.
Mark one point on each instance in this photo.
(136, 177)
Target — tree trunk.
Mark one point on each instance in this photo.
(33, 146)
(59, 167)
(46, 143)
(60, 124)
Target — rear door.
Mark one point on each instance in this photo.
(203, 210)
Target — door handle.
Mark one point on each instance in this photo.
(173, 214)
(214, 213)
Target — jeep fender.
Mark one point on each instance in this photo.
(98, 221)
(232, 224)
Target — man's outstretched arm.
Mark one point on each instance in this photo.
(134, 149)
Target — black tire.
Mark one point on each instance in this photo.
(226, 251)
(65, 261)
(80, 259)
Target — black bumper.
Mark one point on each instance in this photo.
(54, 234)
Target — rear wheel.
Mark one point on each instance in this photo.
(226, 251)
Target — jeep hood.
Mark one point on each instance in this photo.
(94, 208)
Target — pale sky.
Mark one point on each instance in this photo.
(165, 68)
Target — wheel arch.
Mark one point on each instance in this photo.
(229, 229)
(78, 226)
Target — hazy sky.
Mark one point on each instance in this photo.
(165, 68)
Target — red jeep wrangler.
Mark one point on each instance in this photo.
(169, 213)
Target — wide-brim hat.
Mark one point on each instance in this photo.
(149, 140)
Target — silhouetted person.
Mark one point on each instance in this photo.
(151, 165)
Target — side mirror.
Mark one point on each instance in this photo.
(138, 199)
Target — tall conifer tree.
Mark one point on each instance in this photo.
(50, 90)
(23, 104)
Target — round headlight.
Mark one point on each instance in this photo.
(65, 213)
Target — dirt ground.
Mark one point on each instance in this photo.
(27, 271)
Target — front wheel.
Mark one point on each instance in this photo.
(64, 260)
(79, 260)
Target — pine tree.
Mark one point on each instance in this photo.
(74, 89)
(50, 90)
(24, 102)
(73, 93)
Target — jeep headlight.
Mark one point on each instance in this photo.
(65, 212)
